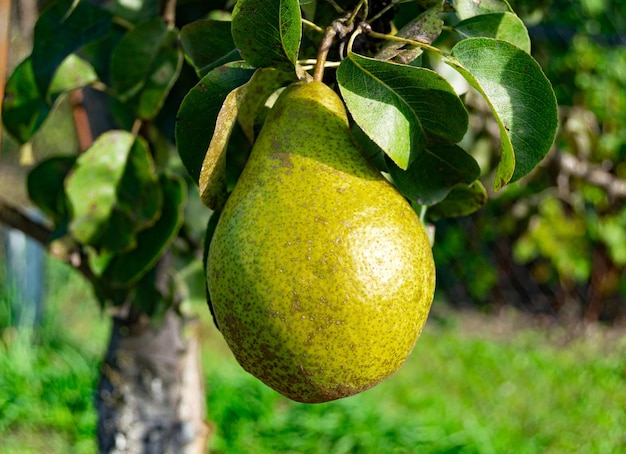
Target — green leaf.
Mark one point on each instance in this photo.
(123, 270)
(23, 108)
(253, 110)
(98, 53)
(249, 96)
(469, 8)
(503, 26)
(462, 200)
(267, 33)
(434, 173)
(144, 66)
(73, 73)
(208, 44)
(45, 186)
(198, 112)
(401, 108)
(63, 28)
(425, 28)
(521, 99)
(113, 192)
(212, 183)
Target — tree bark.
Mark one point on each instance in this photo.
(151, 398)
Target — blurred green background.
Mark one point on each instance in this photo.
(525, 350)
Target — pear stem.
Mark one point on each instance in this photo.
(322, 53)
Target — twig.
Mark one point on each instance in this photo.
(592, 174)
(13, 217)
(16, 219)
(167, 10)
(81, 121)
(382, 12)
(338, 27)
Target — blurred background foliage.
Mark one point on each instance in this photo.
(555, 243)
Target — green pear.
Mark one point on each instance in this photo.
(320, 273)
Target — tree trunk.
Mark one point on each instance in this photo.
(151, 398)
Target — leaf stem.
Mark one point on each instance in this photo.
(383, 11)
(136, 128)
(356, 33)
(362, 4)
(411, 42)
(422, 214)
(312, 25)
(338, 8)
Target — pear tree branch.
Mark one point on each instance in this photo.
(15, 218)
(592, 174)
(340, 28)
(167, 10)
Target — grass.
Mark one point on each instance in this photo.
(47, 378)
(474, 384)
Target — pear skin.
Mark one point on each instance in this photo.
(320, 273)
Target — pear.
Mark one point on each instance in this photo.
(320, 273)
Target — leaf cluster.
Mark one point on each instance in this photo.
(388, 62)
(117, 205)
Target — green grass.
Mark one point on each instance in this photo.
(474, 384)
(47, 378)
(459, 392)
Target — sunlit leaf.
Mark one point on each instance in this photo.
(424, 28)
(521, 99)
(73, 73)
(504, 26)
(469, 8)
(63, 28)
(198, 113)
(24, 108)
(113, 192)
(212, 183)
(401, 108)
